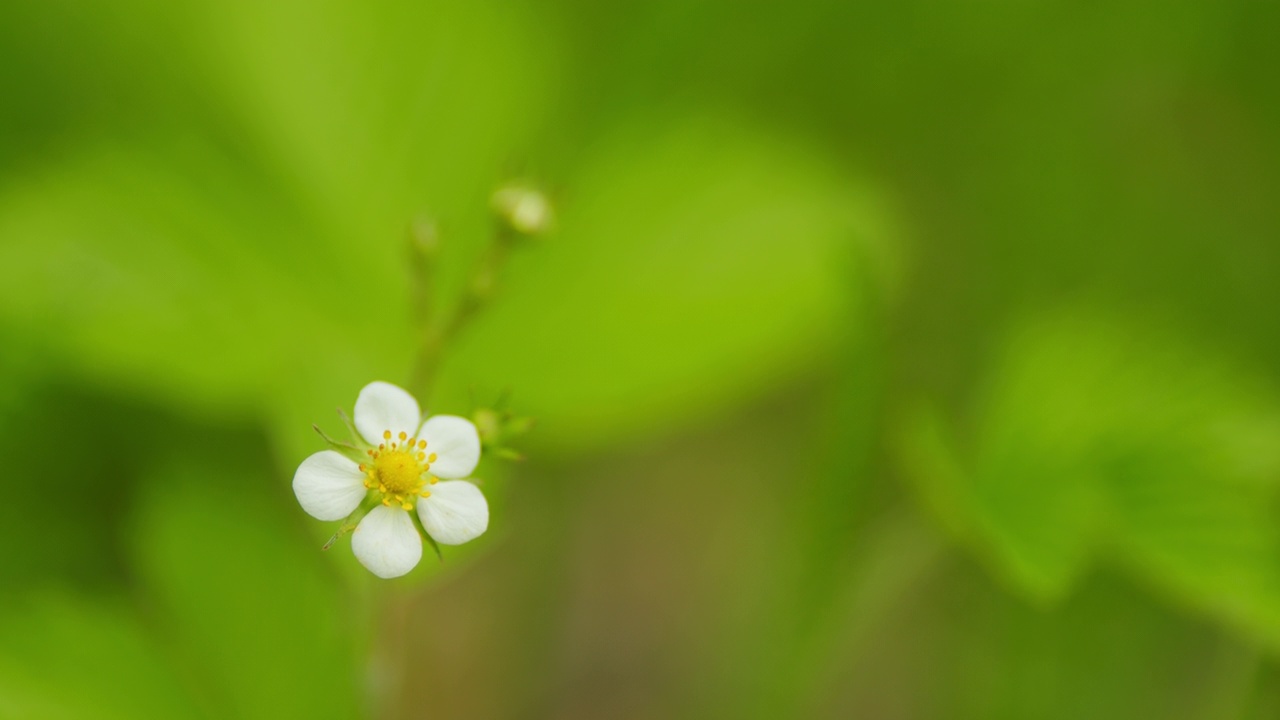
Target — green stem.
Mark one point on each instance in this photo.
(439, 333)
(424, 248)
(392, 650)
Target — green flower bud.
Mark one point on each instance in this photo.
(523, 208)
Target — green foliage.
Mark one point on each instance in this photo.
(63, 658)
(163, 583)
(280, 284)
(204, 210)
(276, 639)
(1091, 436)
(670, 281)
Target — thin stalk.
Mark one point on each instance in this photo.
(439, 332)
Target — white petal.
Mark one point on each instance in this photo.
(382, 406)
(386, 542)
(328, 485)
(455, 442)
(455, 513)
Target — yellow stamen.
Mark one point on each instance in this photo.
(398, 472)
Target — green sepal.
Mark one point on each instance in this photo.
(434, 546)
(417, 522)
(351, 428)
(498, 426)
(347, 449)
(507, 453)
(352, 521)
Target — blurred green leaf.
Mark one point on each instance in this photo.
(1091, 436)
(246, 603)
(142, 274)
(244, 251)
(63, 658)
(375, 110)
(696, 263)
(228, 261)
(1109, 652)
(74, 501)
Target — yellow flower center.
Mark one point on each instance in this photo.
(399, 470)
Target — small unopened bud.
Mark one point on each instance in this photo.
(524, 208)
(498, 427)
(424, 237)
(488, 424)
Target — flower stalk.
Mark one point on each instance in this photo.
(440, 332)
(521, 212)
(403, 479)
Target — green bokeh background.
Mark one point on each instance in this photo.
(889, 360)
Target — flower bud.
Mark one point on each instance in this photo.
(488, 424)
(523, 208)
(498, 427)
(424, 237)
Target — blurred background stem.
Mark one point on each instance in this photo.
(898, 554)
(394, 602)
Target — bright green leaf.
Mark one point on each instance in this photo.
(696, 263)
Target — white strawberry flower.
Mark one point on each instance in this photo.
(410, 465)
